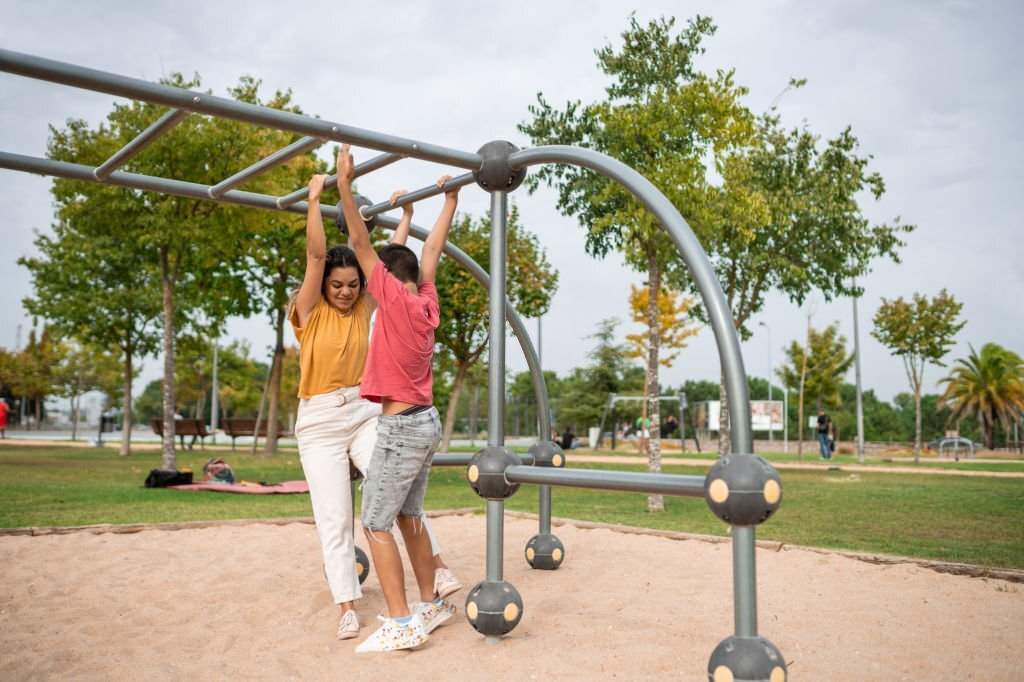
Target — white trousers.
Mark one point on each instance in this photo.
(334, 429)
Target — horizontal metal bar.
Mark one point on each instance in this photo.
(363, 168)
(142, 140)
(445, 459)
(629, 481)
(122, 86)
(279, 157)
(418, 195)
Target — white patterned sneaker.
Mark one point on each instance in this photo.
(394, 636)
(434, 613)
(445, 583)
(348, 627)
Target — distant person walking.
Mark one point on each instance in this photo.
(824, 426)
(4, 409)
(567, 438)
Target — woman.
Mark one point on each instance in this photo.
(331, 319)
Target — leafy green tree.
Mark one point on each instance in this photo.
(919, 332)
(83, 368)
(197, 249)
(816, 371)
(463, 330)
(785, 216)
(988, 386)
(662, 117)
(89, 286)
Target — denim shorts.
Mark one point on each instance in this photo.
(396, 481)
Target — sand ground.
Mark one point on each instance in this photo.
(250, 602)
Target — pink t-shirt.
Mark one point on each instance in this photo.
(402, 345)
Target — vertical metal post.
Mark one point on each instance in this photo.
(543, 491)
(496, 376)
(856, 362)
(744, 581)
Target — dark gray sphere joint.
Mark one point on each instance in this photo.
(360, 202)
(547, 453)
(495, 173)
(486, 473)
(494, 608)
(545, 552)
(362, 565)
(743, 490)
(747, 659)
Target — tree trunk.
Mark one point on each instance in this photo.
(474, 413)
(75, 403)
(453, 405)
(169, 459)
(655, 503)
(803, 379)
(126, 408)
(917, 423)
(259, 415)
(724, 435)
(39, 414)
(276, 370)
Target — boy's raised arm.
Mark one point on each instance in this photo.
(401, 234)
(358, 235)
(435, 242)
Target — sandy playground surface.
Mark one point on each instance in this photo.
(250, 602)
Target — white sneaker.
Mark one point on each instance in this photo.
(445, 583)
(394, 636)
(434, 613)
(348, 627)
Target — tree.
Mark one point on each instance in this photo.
(988, 386)
(918, 332)
(33, 370)
(816, 370)
(463, 330)
(89, 286)
(785, 215)
(661, 117)
(197, 249)
(673, 329)
(583, 394)
(83, 368)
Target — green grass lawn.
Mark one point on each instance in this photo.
(972, 520)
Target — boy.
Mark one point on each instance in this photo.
(398, 375)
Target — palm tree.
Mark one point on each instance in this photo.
(989, 386)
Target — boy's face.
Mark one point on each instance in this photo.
(342, 288)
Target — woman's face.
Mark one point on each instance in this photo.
(342, 288)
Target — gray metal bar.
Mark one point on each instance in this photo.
(101, 81)
(496, 376)
(544, 511)
(418, 195)
(495, 539)
(147, 137)
(744, 581)
(363, 168)
(599, 479)
(719, 317)
(263, 165)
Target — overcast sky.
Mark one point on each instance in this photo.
(932, 89)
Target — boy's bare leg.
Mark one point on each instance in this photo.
(390, 574)
(417, 543)
(439, 562)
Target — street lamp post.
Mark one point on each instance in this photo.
(856, 362)
(768, 329)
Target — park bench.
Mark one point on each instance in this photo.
(239, 426)
(183, 427)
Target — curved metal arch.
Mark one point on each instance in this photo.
(721, 322)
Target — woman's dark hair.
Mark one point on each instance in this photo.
(342, 257)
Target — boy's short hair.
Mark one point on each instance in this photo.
(401, 262)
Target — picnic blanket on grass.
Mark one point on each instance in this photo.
(287, 487)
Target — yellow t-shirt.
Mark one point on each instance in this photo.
(332, 346)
